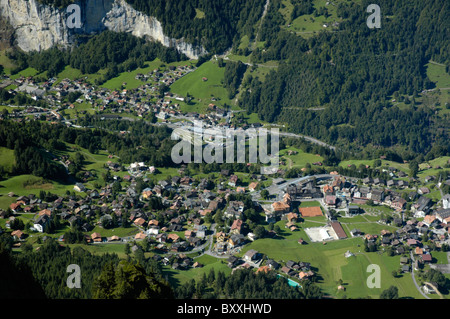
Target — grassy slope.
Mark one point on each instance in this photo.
(332, 265)
(203, 91)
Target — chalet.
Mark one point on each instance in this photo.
(225, 172)
(179, 246)
(140, 235)
(42, 222)
(328, 190)
(390, 183)
(402, 183)
(292, 217)
(398, 203)
(236, 227)
(291, 226)
(139, 221)
(16, 207)
(272, 264)
(426, 258)
(173, 238)
(290, 264)
(378, 181)
(79, 187)
(18, 234)
(286, 270)
(353, 210)
(221, 237)
(213, 205)
(443, 215)
(233, 211)
(405, 268)
(412, 242)
(421, 207)
(305, 275)
(377, 195)
(280, 207)
(430, 288)
(186, 180)
(251, 255)
(234, 179)
(236, 240)
(162, 237)
(252, 186)
(96, 237)
(304, 191)
(194, 241)
(233, 261)
(412, 196)
(330, 200)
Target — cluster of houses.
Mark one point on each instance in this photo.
(409, 238)
(295, 271)
(142, 100)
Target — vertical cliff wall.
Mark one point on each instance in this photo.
(38, 27)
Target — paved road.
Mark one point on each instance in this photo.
(414, 277)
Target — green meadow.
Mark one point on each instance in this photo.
(203, 84)
(35, 184)
(331, 266)
(436, 73)
(179, 277)
(298, 160)
(309, 24)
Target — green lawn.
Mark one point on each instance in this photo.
(129, 77)
(355, 275)
(15, 185)
(25, 73)
(298, 160)
(68, 73)
(329, 262)
(433, 170)
(7, 158)
(384, 164)
(309, 24)
(178, 277)
(437, 74)
(6, 62)
(203, 90)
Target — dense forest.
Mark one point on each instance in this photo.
(336, 86)
(234, 72)
(347, 76)
(115, 52)
(43, 274)
(216, 25)
(33, 143)
(245, 284)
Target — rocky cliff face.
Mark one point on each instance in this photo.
(36, 27)
(39, 27)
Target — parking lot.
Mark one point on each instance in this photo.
(322, 233)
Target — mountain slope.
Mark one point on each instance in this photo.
(350, 73)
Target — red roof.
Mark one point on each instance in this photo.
(339, 230)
